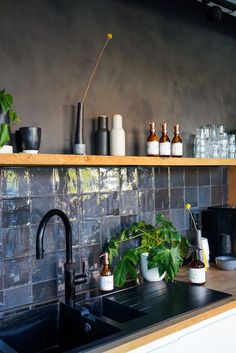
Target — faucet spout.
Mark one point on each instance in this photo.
(69, 267)
(68, 234)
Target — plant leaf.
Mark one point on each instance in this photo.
(4, 134)
(14, 118)
(126, 267)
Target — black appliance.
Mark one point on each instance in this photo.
(219, 227)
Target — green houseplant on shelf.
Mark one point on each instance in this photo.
(8, 117)
(165, 246)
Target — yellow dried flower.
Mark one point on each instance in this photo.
(109, 35)
(188, 207)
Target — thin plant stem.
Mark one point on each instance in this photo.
(94, 70)
(194, 223)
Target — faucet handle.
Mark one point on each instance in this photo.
(81, 277)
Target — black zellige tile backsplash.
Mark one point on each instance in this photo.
(99, 203)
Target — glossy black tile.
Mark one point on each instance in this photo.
(204, 196)
(162, 200)
(89, 180)
(145, 178)
(44, 269)
(216, 195)
(15, 212)
(216, 176)
(191, 196)
(190, 177)
(162, 178)
(110, 204)
(17, 272)
(128, 178)
(146, 200)
(1, 275)
(128, 202)
(40, 206)
(44, 290)
(177, 198)
(203, 176)
(66, 181)
(90, 232)
(110, 227)
(69, 204)
(15, 182)
(109, 179)
(16, 242)
(42, 181)
(176, 177)
(18, 296)
(90, 205)
(126, 221)
(49, 240)
(178, 218)
(147, 217)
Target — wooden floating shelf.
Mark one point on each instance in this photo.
(21, 159)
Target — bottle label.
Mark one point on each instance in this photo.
(197, 275)
(106, 283)
(164, 148)
(153, 148)
(177, 149)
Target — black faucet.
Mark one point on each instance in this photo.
(71, 280)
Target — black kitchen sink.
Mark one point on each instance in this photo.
(54, 328)
(104, 306)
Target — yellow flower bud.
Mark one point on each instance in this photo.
(187, 206)
(109, 35)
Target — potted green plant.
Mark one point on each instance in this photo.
(165, 246)
(8, 116)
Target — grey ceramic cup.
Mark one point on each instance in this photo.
(30, 139)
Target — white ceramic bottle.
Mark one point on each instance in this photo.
(117, 137)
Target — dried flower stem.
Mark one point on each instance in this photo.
(95, 67)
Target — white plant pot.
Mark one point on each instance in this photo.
(6, 149)
(151, 275)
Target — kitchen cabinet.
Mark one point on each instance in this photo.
(212, 335)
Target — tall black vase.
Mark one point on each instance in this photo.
(79, 146)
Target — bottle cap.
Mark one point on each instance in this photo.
(106, 259)
(164, 127)
(117, 121)
(102, 122)
(176, 128)
(152, 125)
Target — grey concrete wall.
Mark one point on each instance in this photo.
(165, 63)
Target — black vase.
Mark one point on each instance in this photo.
(79, 146)
(102, 136)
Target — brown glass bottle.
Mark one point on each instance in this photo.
(164, 143)
(106, 276)
(152, 141)
(176, 143)
(197, 271)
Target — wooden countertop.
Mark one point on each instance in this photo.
(216, 279)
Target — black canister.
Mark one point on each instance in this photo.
(102, 136)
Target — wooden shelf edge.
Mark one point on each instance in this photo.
(21, 159)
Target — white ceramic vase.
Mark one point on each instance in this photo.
(151, 275)
(6, 149)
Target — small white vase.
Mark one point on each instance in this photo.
(6, 149)
(151, 275)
